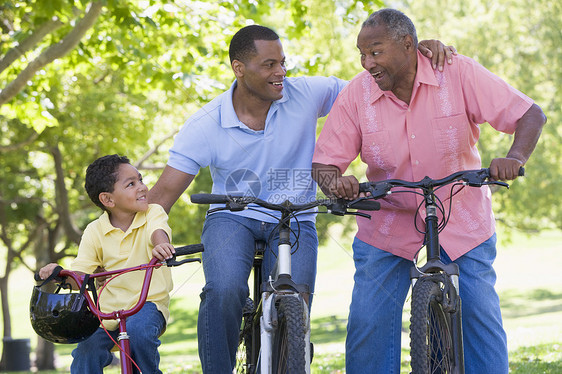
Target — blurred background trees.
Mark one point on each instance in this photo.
(80, 79)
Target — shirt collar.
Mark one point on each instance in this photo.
(107, 227)
(425, 73)
(228, 114)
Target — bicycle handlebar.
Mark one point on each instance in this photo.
(185, 250)
(473, 178)
(237, 203)
(79, 279)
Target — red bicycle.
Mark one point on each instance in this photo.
(74, 316)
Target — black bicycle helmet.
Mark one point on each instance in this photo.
(61, 317)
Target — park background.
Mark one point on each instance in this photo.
(80, 79)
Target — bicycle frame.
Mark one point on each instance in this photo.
(445, 274)
(122, 315)
(279, 285)
(279, 293)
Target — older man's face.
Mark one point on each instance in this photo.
(384, 57)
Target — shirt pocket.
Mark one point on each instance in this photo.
(451, 136)
(376, 152)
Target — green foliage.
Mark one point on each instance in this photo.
(127, 86)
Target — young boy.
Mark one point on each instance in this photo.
(129, 232)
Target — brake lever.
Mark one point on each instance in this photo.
(503, 184)
(360, 214)
(173, 262)
(217, 209)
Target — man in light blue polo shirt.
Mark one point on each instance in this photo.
(258, 138)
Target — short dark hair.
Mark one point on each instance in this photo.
(397, 23)
(101, 176)
(242, 45)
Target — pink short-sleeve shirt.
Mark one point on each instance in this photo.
(435, 135)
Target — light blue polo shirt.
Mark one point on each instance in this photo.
(273, 164)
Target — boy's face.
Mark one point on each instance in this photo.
(129, 191)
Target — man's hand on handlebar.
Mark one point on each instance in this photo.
(502, 169)
(346, 187)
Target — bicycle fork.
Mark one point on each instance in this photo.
(447, 276)
(268, 326)
(282, 287)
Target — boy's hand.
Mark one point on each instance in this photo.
(163, 251)
(100, 281)
(47, 270)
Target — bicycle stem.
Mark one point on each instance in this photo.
(431, 235)
(284, 255)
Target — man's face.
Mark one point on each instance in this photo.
(383, 57)
(263, 74)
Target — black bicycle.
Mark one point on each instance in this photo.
(436, 341)
(275, 331)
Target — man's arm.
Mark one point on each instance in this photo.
(527, 133)
(169, 187)
(437, 52)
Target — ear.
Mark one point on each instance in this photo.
(106, 199)
(238, 68)
(409, 43)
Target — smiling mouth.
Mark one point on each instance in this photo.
(277, 84)
(377, 75)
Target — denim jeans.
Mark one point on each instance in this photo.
(227, 262)
(375, 318)
(144, 328)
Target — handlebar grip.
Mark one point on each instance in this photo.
(521, 172)
(37, 277)
(205, 198)
(189, 249)
(366, 205)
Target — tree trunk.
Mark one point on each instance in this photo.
(45, 355)
(6, 320)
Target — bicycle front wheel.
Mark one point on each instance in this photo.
(288, 354)
(431, 344)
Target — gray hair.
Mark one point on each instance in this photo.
(397, 24)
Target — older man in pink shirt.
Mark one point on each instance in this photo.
(407, 120)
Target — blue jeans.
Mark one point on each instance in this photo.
(227, 262)
(375, 318)
(144, 328)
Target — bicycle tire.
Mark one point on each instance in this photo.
(431, 347)
(248, 344)
(288, 354)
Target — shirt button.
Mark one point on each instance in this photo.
(416, 162)
(413, 136)
(409, 110)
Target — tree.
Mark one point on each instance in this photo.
(81, 79)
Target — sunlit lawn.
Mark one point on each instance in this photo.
(529, 284)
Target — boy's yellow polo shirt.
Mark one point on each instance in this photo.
(105, 245)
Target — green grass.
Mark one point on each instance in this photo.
(529, 284)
